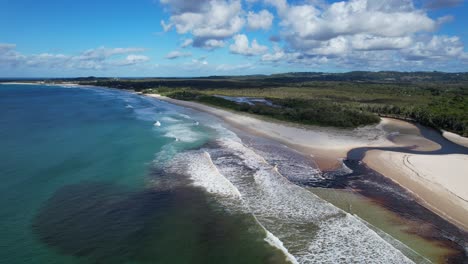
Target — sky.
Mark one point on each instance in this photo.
(177, 38)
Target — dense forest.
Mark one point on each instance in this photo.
(352, 99)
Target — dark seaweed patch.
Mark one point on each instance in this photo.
(106, 223)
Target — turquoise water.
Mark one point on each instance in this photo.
(78, 171)
(94, 175)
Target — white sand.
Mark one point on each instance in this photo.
(457, 139)
(407, 134)
(327, 145)
(439, 181)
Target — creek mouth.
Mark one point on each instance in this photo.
(356, 177)
(393, 197)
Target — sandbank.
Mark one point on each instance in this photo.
(438, 181)
(457, 139)
(327, 145)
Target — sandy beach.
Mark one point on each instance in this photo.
(439, 181)
(407, 134)
(457, 139)
(327, 145)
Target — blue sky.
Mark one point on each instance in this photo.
(63, 38)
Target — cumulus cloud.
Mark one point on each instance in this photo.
(437, 48)
(349, 33)
(103, 53)
(177, 54)
(9, 56)
(277, 55)
(260, 20)
(369, 42)
(393, 18)
(241, 46)
(94, 59)
(132, 59)
(207, 21)
(6, 47)
(208, 44)
(377, 32)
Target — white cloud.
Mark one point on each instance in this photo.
(379, 18)
(196, 64)
(260, 20)
(177, 54)
(213, 43)
(9, 56)
(166, 27)
(370, 42)
(132, 59)
(95, 59)
(333, 47)
(186, 43)
(437, 48)
(103, 53)
(6, 47)
(276, 56)
(241, 46)
(230, 67)
(360, 34)
(205, 20)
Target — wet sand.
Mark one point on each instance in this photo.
(326, 145)
(420, 250)
(329, 146)
(439, 181)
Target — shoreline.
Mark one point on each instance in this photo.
(457, 139)
(329, 146)
(333, 142)
(431, 183)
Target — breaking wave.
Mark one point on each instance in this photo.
(256, 180)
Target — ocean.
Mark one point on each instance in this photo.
(95, 175)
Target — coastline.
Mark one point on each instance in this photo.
(329, 146)
(390, 133)
(436, 180)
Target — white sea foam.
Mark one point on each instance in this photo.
(185, 116)
(205, 174)
(274, 241)
(346, 238)
(182, 132)
(146, 113)
(306, 228)
(312, 230)
(170, 119)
